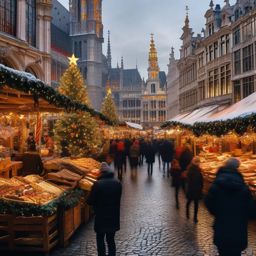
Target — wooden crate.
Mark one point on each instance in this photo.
(70, 220)
(6, 231)
(29, 234)
(85, 213)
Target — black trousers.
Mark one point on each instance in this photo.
(228, 252)
(110, 237)
(150, 169)
(177, 190)
(196, 205)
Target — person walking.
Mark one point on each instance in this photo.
(134, 154)
(167, 156)
(230, 201)
(105, 199)
(120, 157)
(176, 179)
(185, 159)
(194, 187)
(150, 157)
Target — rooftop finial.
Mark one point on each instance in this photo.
(187, 19)
(109, 58)
(122, 62)
(211, 4)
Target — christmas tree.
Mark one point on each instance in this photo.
(108, 107)
(76, 133)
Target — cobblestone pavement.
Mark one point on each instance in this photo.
(150, 224)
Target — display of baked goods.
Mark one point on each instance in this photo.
(85, 184)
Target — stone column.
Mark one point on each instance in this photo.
(21, 19)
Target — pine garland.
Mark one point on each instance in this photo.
(27, 83)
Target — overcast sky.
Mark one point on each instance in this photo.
(132, 21)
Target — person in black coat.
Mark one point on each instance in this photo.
(194, 186)
(105, 198)
(176, 179)
(150, 157)
(167, 153)
(230, 201)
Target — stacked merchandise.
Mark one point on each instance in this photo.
(210, 163)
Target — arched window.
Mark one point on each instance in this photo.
(31, 22)
(8, 13)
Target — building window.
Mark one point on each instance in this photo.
(31, 22)
(210, 52)
(153, 116)
(215, 50)
(248, 86)
(153, 88)
(216, 82)
(248, 58)
(8, 13)
(210, 84)
(222, 46)
(228, 79)
(153, 104)
(201, 60)
(237, 91)
(236, 36)
(227, 44)
(247, 30)
(145, 116)
(237, 62)
(161, 104)
(211, 29)
(201, 89)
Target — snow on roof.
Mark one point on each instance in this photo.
(135, 126)
(198, 115)
(245, 107)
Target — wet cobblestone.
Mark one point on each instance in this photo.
(151, 225)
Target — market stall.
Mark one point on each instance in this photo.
(39, 212)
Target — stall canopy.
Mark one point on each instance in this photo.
(198, 115)
(134, 125)
(22, 92)
(243, 108)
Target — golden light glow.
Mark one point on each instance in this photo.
(73, 60)
(109, 91)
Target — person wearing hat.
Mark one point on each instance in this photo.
(105, 199)
(230, 201)
(194, 186)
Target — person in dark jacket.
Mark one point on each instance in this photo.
(176, 179)
(230, 201)
(185, 159)
(150, 157)
(194, 186)
(167, 153)
(105, 198)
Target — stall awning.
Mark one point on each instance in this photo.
(198, 115)
(245, 107)
(134, 125)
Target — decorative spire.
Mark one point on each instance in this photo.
(109, 58)
(153, 69)
(172, 54)
(187, 19)
(211, 4)
(117, 65)
(122, 62)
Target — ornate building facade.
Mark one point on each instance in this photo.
(172, 87)
(25, 39)
(154, 95)
(86, 31)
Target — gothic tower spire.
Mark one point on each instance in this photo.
(109, 58)
(153, 69)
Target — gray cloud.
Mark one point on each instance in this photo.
(132, 21)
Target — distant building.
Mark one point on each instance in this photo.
(172, 87)
(25, 42)
(154, 95)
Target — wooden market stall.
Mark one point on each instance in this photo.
(37, 213)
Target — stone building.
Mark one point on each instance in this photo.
(172, 87)
(154, 95)
(213, 53)
(244, 49)
(25, 39)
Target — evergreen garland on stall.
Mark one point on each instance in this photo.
(27, 83)
(239, 125)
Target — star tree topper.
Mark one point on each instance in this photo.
(73, 60)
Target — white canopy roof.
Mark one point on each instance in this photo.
(198, 115)
(242, 108)
(135, 126)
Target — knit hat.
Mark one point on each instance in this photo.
(232, 163)
(105, 167)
